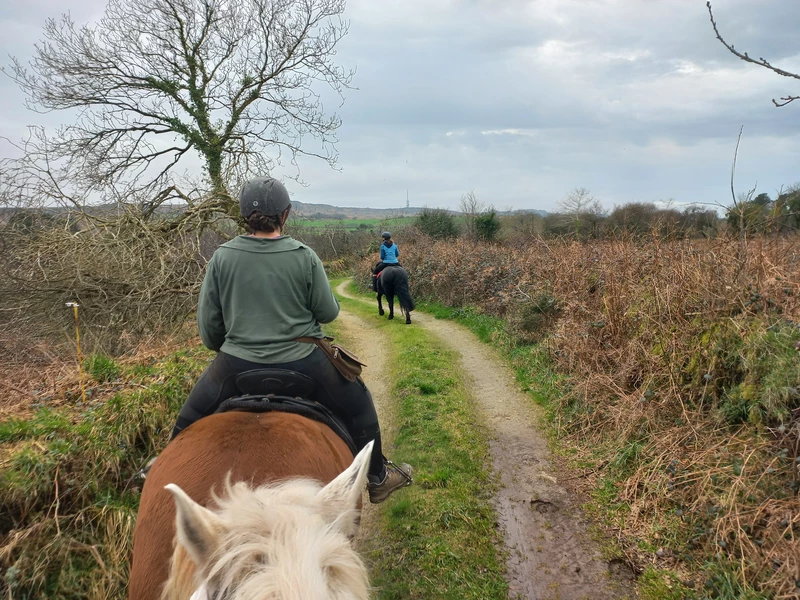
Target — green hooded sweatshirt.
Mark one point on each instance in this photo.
(260, 294)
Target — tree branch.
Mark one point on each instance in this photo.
(760, 62)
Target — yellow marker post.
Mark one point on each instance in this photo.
(74, 306)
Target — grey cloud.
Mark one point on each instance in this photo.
(633, 100)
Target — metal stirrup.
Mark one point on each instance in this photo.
(389, 464)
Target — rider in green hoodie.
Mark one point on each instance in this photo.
(261, 292)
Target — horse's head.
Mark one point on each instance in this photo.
(284, 541)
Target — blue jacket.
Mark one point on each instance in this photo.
(389, 254)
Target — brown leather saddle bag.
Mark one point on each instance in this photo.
(347, 363)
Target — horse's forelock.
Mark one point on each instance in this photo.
(240, 496)
(276, 536)
(312, 564)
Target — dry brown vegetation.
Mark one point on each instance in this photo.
(68, 483)
(129, 279)
(136, 281)
(684, 386)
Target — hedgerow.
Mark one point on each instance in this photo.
(684, 385)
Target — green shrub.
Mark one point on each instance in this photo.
(102, 368)
(487, 225)
(437, 223)
(533, 319)
(748, 370)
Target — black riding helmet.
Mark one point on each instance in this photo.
(263, 194)
(386, 235)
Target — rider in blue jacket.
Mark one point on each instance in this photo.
(389, 254)
(389, 250)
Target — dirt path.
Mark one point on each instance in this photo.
(550, 554)
(357, 332)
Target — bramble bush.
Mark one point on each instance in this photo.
(684, 381)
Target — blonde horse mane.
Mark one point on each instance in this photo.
(288, 541)
(181, 583)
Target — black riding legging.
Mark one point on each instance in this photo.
(382, 265)
(350, 401)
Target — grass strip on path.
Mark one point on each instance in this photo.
(438, 538)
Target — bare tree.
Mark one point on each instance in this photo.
(153, 86)
(583, 210)
(761, 61)
(577, 201)
(236, 84)
(471, 207)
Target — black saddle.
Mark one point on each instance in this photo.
(281, 390)
(280, 382)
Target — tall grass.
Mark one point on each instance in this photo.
(684, 387)
(68, 485)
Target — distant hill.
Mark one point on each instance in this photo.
(523, 211)
(327, 211)
(301, 209)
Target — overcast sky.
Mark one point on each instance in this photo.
(524, 100)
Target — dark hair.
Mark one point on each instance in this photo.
(258, 221)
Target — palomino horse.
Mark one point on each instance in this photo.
(273, 529)
(393, 281)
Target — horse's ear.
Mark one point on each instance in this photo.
(196, 526)
(340, 498)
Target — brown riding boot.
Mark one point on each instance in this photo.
(396, 477)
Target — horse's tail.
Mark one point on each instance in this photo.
(406, 301)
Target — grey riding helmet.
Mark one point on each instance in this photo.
(263, 194)
(386, 235)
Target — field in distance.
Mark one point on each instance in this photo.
(352, 224)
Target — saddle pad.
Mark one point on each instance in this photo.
(296, 406)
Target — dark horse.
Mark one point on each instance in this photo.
(393, 281)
